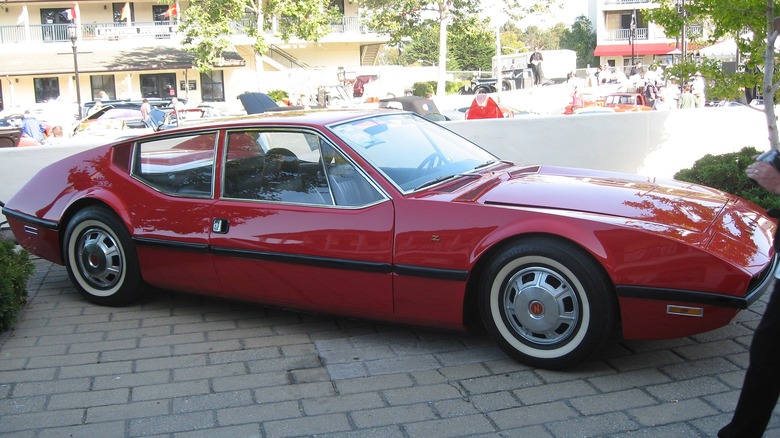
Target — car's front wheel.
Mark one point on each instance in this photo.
(547, 303)
(100, 257)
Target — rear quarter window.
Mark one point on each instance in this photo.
(179, 166)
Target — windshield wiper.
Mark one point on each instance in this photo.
(489, 163)
(437, 180)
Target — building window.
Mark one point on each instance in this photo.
(339, 5)
(212, 86)
(103, 83)
(120, 14)
(161, 85)
(46, 89)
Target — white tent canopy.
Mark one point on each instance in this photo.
(726, 50)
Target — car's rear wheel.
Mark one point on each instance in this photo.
(547, 303)
(100, 257)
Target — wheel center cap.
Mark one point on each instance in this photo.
(536, 308)
(94, 261)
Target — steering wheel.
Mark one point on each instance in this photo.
(432, 161)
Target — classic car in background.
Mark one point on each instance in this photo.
(386, 215)
(626, 102)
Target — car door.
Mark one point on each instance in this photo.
(170, 209)
(298, 224)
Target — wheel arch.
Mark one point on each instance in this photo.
(79, 205)
(471, 315)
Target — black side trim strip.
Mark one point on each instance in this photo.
(437, 273)
(382, 268)
(703, 298)
(31, 219)
(170, 244)
(354, 265)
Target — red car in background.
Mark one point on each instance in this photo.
(484, 107)
(387, 215)
(360, 81)
(626, 102)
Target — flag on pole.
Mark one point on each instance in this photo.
(125, 15)
(24, 17)
(71, 14)
(173, 11)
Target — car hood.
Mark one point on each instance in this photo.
(686, 207)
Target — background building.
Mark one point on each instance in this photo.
(134, 50)
(624, 36)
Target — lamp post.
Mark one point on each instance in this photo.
(632, 37)
(74, 42)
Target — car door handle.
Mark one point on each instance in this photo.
(220, 226)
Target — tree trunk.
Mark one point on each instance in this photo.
(769, 73)
(442, 78)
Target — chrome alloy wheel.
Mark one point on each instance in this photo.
(99, 258)
(541, 306)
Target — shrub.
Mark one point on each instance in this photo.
(727, 172)
(278, 95)
(15, 269)
(423, 89)
(454, 86)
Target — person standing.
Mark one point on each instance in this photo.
(761, 387)
(177, 108)
(697, 89)
(146, 110)
(686, 100)
(33, 128)
(535, 63)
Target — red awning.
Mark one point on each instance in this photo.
(639, 49)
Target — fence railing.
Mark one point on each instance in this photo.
(625, 2)
(136, 30)
(625, 34)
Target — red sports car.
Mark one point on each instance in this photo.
(387, 215)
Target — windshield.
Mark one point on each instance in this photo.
(411, 151)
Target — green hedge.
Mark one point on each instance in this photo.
(727, 172)
(450, 87)
(15, 269)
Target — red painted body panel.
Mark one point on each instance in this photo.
(362, 235)
(638, 315)
(644, 232)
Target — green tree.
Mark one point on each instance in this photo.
(402, 18)
(207, 25)
(471, 46)
(752, 25)
(546, 39)
(581, 38)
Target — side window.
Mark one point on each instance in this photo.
(275, 166)
(180, 166)
(348, 186)
(292, 167)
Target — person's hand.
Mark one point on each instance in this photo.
(765, 175)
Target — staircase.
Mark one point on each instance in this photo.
(285, 59)
(369, 53)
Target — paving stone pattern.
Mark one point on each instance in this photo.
(186, 366)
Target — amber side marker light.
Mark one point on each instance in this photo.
(684, 311)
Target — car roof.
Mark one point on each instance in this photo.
(311, 117)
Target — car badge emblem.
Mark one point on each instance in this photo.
(536, 308)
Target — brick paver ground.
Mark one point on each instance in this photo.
(186, 366)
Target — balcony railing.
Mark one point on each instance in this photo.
(625, 2)
(137, 30)
(625, 34)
